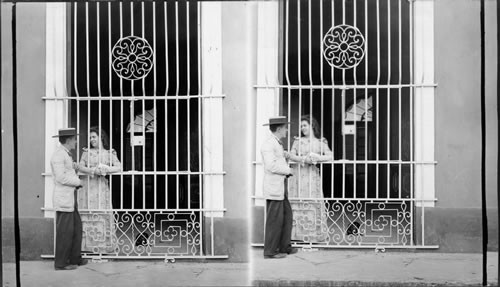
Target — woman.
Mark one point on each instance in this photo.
(97, 162)
(307, 150)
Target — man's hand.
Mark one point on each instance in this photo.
(286, 154)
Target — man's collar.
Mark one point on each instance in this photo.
(65, 148)
(278, 139)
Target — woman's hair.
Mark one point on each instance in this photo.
(102, 134)
(314, 125)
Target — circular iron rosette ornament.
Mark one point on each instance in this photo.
(132, 58)
(344, 46)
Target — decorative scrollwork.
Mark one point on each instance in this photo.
(143, 233)
(132, 58)
(343, 46)
(352, 222)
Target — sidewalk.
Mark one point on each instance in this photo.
(129, 273)
(306, 268)
(368, 268)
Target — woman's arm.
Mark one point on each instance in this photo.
(326, 153)
(115, 165)
(82, 166)
(294, 154)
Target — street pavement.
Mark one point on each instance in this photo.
(305, 268)
(371, 268)
(130, 273)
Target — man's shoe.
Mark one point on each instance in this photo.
(292, 250)
(83, 262)
(275, 256)
(67, 267)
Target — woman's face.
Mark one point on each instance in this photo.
(95, 141)
(305, 127)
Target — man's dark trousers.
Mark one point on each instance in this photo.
(278, 226)
(68, 238)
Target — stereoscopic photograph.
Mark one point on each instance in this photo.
(249, 143)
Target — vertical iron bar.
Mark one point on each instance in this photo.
(343, 120)
(166, 102)
(199, 139)
(332, 187)
(110, 105)
(343, 11)
(188, 107)
(99, 92)
(377, 144)
(132, 146)
(75, 65)
(155, 115)
(287, 78)
(132, 114)
(366, 99)
(121, 113)
(299, 73)
(399, 98)
(177, 100)
(289, 109)
(388, 156)
(332, 13)
(311, 133)
(289, 96)
(144, 145)
(354, 103)
(75, 83)
(412, 195)
(322, 89)
(89, 103)
(287, 24)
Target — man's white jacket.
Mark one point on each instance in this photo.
(65, 180)
(275, 169)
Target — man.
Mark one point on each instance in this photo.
(68, 222)
(278, 229)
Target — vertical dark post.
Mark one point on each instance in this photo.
(498, 116)
(498, 112)
(483, 153)
(14, 132)
(1, 128)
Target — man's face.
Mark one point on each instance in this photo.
(71, 143)
(282, 131)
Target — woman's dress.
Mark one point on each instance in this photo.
(309, 215)
(98, 228)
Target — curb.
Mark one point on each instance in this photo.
(329, 283)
